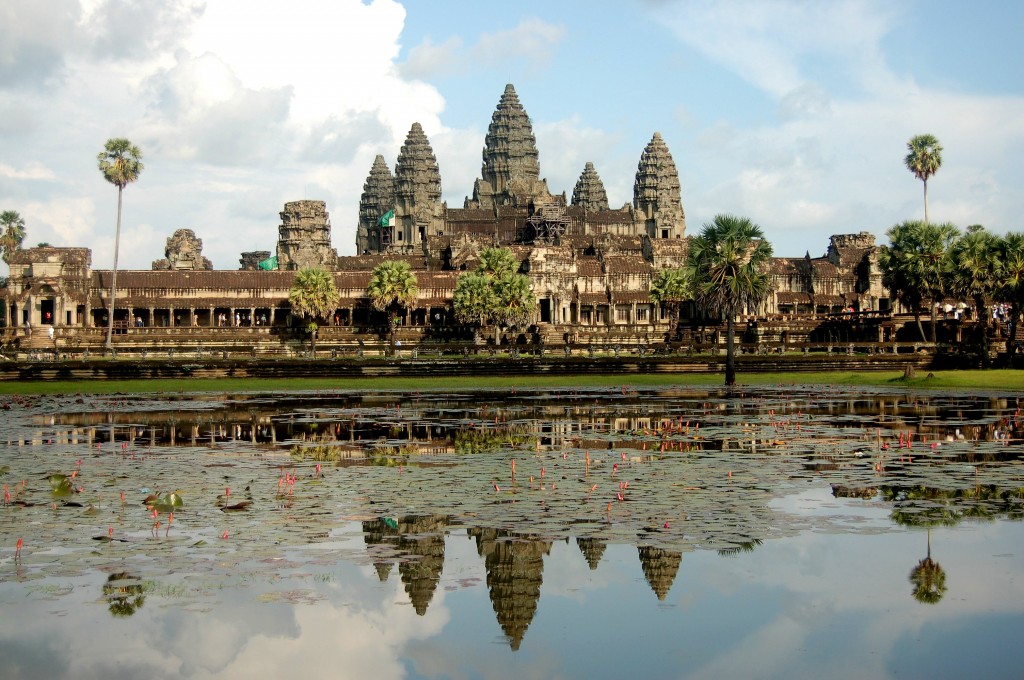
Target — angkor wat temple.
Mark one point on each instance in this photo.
(590, 264)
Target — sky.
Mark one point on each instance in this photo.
(792, 113)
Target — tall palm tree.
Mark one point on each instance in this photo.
(121, 164)
(924, 158)
(12, 235)
(496, 292)
(669, 288)
(727, 264)
(915, 266)
(392, 287)
(313, 296)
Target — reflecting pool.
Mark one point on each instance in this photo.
(796, 532)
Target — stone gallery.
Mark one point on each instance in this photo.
(590, 265)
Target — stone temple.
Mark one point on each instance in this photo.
(590, 265)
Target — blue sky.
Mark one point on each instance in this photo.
(793, 113)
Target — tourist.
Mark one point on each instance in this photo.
(49, 332)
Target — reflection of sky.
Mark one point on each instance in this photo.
(815, 605)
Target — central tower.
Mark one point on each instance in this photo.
(511, 170)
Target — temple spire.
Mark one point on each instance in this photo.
(656, 193)
(589, 192)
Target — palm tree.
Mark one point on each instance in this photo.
(121, 164)
(924, 158)
(976, 271)
(13, 234)
(515, 302)
(929, 578)
(313, 296)
(498, 262)
(474, 300)
(496, 292)
(392, 287)
(1011, 283)
(669, 289)
(727, 264)
(915, 266)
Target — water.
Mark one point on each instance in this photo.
(768, 534)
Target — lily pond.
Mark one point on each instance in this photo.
(763, 532)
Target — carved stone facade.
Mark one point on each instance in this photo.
(590, 266)
(250, 261)
(304, 237)
(377, 201)
(184, 252)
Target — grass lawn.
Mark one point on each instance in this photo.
(958, 380)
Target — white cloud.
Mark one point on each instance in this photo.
(531, 43)
(31, 170)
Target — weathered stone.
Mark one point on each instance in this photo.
(511, 166)
(183, 252)
(656, 193)
(589, 192)
(378, 199)
(304, 237)
(250, 261)
(418, 207)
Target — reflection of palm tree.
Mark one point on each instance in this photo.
(929, 578)
(125, 593)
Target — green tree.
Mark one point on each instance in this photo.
(976, 272)
(495, 293)
(121, 164)
(924, 158)
(1011, 284)
(392, 288)
(727, 265)
(474, 300)
(669, 288)
(916, 266)
(12, 235)
(313, 296)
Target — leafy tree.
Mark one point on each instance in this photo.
(1011, 284)
(669, 288)
(915, 266)
(976, 272)
(12, 234)
(495, 293)
(121, 164)
(474, 299)
(313, 296)
(392, 287)
(728, 264)
(924, 158)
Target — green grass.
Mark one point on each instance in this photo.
(991, 379)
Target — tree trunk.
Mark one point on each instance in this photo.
(925, 201)
(934, 320)
(113, 276)
(312, 342)
(920, 326)
(730, 352)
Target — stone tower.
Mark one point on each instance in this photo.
(378, 199)
(304, 237)
(418, 208)
(184, 252)
(657, 198)
(511, 168)
(589, 192)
